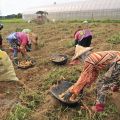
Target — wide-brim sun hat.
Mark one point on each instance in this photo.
(80, 50)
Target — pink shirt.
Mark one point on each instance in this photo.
(23, 38)
(82, 34)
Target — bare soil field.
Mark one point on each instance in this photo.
(18, 103)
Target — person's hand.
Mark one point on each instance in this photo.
(66, 95)
(74, 62)
(27, 58)
(115, 88)
(15, 61)
(22, 49)
(28, 47)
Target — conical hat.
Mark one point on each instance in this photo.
(80, 50)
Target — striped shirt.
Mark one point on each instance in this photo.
(92, 65)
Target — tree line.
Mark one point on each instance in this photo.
(19, 15)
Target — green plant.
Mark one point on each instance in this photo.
(115, 39)
(61, 73)
(14, 20)
(19, 112)
(32, 100)
(69, 44)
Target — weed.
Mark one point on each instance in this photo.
(44, 62)
(61, 73)
(69, 44)
(115, 39)
(32, 100)
(98, 21)
(19, 112)
(68, 113)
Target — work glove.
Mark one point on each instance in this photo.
(69, 96)
(66, 96)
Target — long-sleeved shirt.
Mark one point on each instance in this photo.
(18, 39)
(79, 35)
(92, 65)
(21, 37)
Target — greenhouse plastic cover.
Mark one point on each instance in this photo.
(83, 5)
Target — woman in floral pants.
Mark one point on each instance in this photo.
(93, 64)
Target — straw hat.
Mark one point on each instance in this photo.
(80, 50)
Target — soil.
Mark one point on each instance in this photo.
(53, 38)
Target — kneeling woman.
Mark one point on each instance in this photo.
(19, 42)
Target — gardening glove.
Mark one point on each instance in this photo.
(66, 96)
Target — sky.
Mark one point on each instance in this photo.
(18, 6)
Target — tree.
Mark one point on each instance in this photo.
(19, 15)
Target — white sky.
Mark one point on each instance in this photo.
(18, 6)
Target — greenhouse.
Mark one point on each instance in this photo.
(82, 9)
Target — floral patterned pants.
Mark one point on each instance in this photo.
(111, 78)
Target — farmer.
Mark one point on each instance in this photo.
(33, 38)
(19, 42)
(93, 64)
(1, 27)
(83, 35)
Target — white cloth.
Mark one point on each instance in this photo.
(80, 50)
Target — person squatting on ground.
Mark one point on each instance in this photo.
(83, 35)
(19, 42)
(83, 38)
(1, 39)
(33, 38)
(93, 64)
